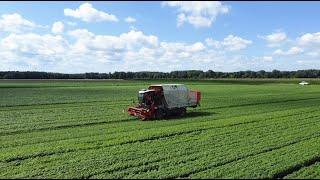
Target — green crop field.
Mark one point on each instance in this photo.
(77, 129)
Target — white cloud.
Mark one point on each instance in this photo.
(80, 50)
(86, 51)
(32, 51)
(295, 51)
(231, 43)
(275, 39)
(307, 64)
(235, 43)
(212, 43)
(309, 39)
(87, 13)
(137, 51)
(183, 50)
(15, 23)
(130, 19)
(133, 40)
(290, 52)
(310, 42)
(34, 44)
(57, 27)
(278, 52)
(70, 23)
(181, 18)
(314, 54)
(267, 58)
(197, 13)
(196, 47)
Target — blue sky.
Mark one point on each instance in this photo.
(161, 36)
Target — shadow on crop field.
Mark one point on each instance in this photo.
(190, 115)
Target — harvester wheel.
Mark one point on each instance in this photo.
(160, 114)
(183, 111)
(144, 118)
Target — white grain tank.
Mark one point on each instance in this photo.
(176, 95)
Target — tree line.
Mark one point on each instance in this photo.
(188, 74)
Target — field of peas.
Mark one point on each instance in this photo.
(78, 129)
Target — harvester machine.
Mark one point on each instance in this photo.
(164, 100)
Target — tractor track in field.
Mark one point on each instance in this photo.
(84, 136)
(126, 120)
(123, 143)
(260, 103)
(59, 103)
(119, 121)
(94, 135)
(278, 175)
(295, 168)
(92, 103)
(128, 166)
(97, 123)
(104, 104)
(160, 159)
(78, 130)
(264, 94)
(68, 120)
(117, 132)
(65, 151)
(63, 126)
(131, 166)
(88, 103)
(154, 167)
(42, 154)
(195, 158)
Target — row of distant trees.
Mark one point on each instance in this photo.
(190, 74)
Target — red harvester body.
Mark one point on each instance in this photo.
(160, 101)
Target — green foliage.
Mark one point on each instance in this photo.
(187, 74)
(309, 172)
(77, 129)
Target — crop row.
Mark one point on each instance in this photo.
(131, 136)
(308, 172)
(206, 136)
(51, 119)
(114, 155)
(26, 96)
(32, 96)
(232, 112)
(272, 164)
(214, 157)
(81, 132)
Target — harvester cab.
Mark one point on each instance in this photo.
(146, 97)
(159, 101)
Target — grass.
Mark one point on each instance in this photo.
(77, 129)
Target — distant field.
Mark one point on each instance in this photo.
(77, 129)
